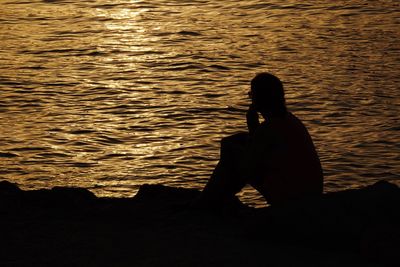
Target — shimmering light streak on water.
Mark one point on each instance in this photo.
(112, 94)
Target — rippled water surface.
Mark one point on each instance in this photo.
(112, 94)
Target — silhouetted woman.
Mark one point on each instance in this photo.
(277, 156)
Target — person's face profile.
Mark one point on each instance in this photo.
(251, 97)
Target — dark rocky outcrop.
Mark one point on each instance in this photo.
(158, 221)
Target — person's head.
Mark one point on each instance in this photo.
(267, 95)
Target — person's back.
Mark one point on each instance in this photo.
(285, 164)
(277, 156)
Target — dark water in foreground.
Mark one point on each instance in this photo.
(109, 95)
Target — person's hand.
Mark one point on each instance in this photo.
(252, 119)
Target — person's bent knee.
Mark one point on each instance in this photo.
(234, 139)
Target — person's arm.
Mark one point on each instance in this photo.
(257, 155)
(252, 119)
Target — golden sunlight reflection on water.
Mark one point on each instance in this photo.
(109, 95)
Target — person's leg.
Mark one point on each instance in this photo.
(227, 179)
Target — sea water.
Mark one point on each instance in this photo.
(112, 94)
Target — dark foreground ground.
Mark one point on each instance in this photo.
(72, 227)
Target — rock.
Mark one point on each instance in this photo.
(73, 195)
(354, 220)
(13, 200)
(9, 188)
(10, 196)
(381, 243)
(362, 220)
(162, 194)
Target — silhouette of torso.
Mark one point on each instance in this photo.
(282, 160)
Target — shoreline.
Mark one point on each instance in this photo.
(72, 227)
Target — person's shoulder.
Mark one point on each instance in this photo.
(290, 115)
(297, 124)
(293, 118)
